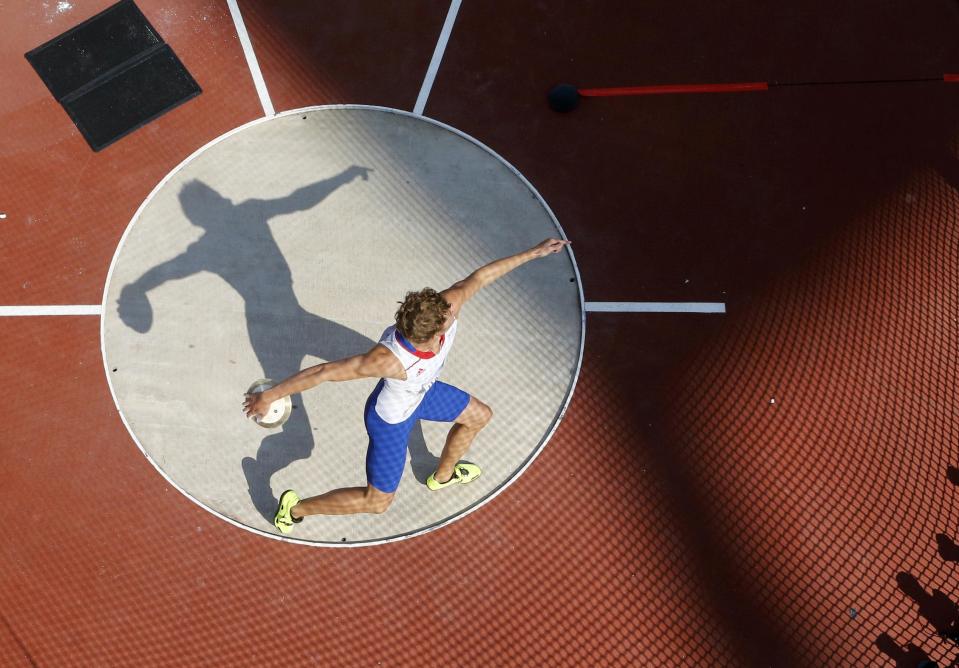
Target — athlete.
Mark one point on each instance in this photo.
(407, 360)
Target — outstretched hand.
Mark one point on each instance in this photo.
(134, 309)
(549, 246)
(362, 172)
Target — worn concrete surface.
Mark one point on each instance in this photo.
(274, 249)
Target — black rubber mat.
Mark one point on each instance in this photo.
(113, 73)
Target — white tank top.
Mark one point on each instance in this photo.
(399, 398)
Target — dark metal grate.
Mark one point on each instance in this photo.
(113, 74)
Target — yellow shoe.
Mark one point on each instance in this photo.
(462, 473)
(283, 520)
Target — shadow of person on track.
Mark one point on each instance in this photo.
(238, 246)
(937, 608)
(948, 550)
(910, 656)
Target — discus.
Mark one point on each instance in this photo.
(278, 412)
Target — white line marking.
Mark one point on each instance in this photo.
(92, 309)
(251, 59)
(437, 57)
(656, 307)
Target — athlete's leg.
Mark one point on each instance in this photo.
(345, 501)
(385, 457)
(470, 422)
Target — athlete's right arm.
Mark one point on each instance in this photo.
(379, 362)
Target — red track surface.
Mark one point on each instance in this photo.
(678, 516)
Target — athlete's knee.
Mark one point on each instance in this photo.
(380, 507)
(376, 501)
(476, 415)
(487, 414)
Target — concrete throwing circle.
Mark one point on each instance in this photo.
(272, 249)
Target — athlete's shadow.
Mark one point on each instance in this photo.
(237, 245)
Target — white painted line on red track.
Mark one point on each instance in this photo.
(59, 309)
(437, 58)
(251, 59)
(656, 307)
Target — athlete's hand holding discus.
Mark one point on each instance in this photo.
(256, 405)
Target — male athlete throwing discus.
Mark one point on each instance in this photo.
(407, 360)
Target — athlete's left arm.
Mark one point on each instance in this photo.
(308, 196)
(461, 292)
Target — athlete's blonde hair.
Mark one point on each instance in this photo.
(421, 315)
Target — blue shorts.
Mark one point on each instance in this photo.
(386, 454)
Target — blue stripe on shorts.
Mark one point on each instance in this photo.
(386, 453)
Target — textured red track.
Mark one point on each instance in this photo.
(825, 417)
(677, 515)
